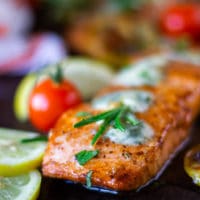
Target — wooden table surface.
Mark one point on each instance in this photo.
(172, 184)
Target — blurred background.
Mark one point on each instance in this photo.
(34, 33)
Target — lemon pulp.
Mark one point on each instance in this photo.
(22, 187)
(17, 157)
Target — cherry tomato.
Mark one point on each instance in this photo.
(48, 100)
(182, 20)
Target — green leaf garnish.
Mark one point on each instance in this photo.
(83, 114)
(101, 130)
(117, 122)
(133, 121)
(144, 74)
(88, 178)
(99, 117)
(84, 156)
(35, 139)
(118, 117)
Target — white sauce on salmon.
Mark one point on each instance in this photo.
(134, 135)
(148, 71)
(188, 57)
(137, 100)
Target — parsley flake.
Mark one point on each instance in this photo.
(84, 156)
(118, 117)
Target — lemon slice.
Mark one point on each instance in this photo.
(17, 157)
(192, 164)
(22, 187)
(21, 97)
(88, 75)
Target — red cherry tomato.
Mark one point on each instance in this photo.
(182, 20)
(49, 100)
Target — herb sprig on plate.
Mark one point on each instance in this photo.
(39, 138)
(118, 117)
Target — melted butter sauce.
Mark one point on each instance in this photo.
(144, 72)
(188, 57)
(134, 135)
(149, 71)
(137, 100)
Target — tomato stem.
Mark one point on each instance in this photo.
(57, 76)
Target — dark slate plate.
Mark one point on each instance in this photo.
(172, 184)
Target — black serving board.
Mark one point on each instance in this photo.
(172, 184)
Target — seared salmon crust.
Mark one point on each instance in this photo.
(176, 104)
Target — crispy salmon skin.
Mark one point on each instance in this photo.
(127, 167)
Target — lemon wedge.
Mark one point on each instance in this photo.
(21, 187)
(22, 95)
(17, 157)
(192, 164)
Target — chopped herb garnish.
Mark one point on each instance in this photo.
(126, 155)
(145, 74)
(88, 178)
(84, 156)
(83, 114)
(147, 99)
(99, 117)
(34, 139)
(118, 117)
(101, 130)
(133, 121)
(117, 123)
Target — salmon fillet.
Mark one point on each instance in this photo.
(176, 104)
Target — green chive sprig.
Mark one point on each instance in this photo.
(118, 117)
(40, 138)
